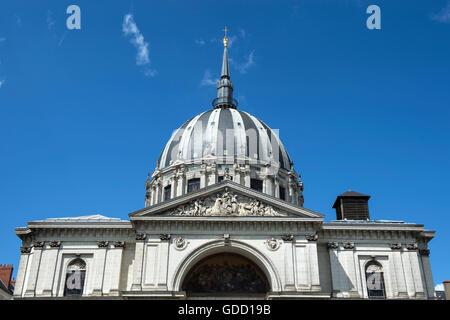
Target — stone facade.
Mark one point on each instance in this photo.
(150, 255)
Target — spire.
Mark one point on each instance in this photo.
(225, 86)
(225, 68)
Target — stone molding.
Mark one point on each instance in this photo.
(268, 226)
(290, 209)
(424, 252)
(412, 246)
(236, 246)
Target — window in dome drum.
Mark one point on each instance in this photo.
(167, 190)
(256, 184)
(220, 179)
(193, 185)
(282, 193)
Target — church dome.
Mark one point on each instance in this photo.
(228, 135)
(224, 144)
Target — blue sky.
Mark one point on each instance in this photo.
(84, 114)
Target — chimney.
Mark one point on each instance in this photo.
(6, 273)
(352, 205)
(447, 289)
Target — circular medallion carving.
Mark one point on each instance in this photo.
(180, 243)
(272, 244)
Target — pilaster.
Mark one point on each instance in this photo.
(99, 268)
(50, 268)
(112, 278)
(289, 284)
(138, 262)
(203, 176)
(173, 190)
(21, 272)
(34, 269)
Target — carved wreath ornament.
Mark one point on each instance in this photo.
(225, 204)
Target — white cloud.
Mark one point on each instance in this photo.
(200, 42)
(243, 67)
(443, 15)
(207, 79)
(18, 20)
(242, 33)
(439, 287)
(130, 29)
(1, 83)
(50, 21)
(62, 39)
(231, 40)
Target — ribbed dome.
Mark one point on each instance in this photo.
(225, 134)
(224, 144)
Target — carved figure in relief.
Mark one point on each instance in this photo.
(224, 204)
(234, 204)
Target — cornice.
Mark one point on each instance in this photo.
(241, 225)
(225, 185)
(382, 226)
(79, 225)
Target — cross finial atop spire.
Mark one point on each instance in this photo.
(225, 39)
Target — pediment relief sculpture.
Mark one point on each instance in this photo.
(226, 204)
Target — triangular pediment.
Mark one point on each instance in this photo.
(226, 199)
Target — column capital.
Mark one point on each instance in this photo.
(333, 245)
(102, 244)
(119, 244)
(38, 244)
(25, 250)
(164, 237)
(288, 237)
(141, 236)
(55, 244)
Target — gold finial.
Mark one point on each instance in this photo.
(225, 39)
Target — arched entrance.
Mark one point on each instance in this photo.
(225, 274)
